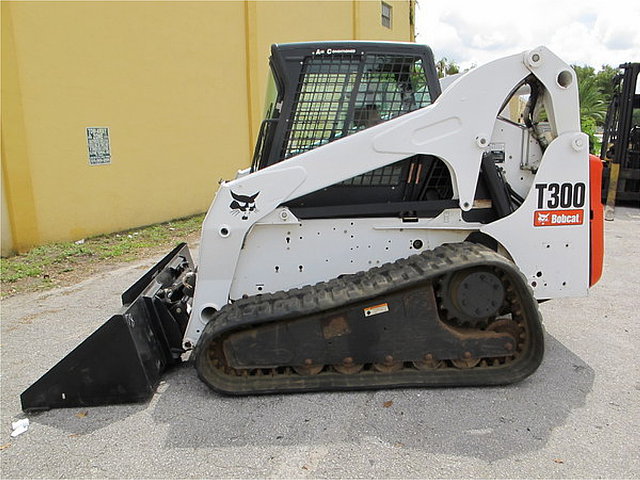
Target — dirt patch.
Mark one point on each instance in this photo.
(28, 319)
(65, 264)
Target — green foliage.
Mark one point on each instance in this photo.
(592, 101)
(595, 91)
(584, 71)
(588, 126)
(445, 67)
(604, 80)
(452, 69)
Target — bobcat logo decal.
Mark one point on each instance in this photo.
(243, 204)
(543, 217)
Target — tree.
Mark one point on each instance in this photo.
(604, 79)
(445, 67)
(452, 68)
(593, 101)
(441, 66)
(583, 71)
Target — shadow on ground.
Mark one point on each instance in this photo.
(486, 423)
(66, 419)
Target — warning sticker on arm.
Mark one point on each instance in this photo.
(376, 309)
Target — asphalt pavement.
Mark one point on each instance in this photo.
(578, 416)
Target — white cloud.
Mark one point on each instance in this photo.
(585, 33)
(619, 32)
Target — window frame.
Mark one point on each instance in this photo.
(386, 18)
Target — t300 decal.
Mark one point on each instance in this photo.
(556, 197)
(561, 195)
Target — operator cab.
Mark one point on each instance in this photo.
(321, 92)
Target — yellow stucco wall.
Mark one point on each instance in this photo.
(179, 84)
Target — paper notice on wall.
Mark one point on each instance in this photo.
(98, 145)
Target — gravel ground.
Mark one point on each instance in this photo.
(578, 416)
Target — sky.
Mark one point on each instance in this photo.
(581, 32)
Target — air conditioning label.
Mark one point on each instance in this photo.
(554, 218)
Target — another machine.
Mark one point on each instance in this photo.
(387, 234)
(621, 141)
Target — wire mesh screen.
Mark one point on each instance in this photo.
(391, 85)
(322, 102)
(431, 173)
(385, 176)
(437, 184)
(338, 95)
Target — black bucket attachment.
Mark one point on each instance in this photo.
(123, 360)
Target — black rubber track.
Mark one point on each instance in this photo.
(429, 266)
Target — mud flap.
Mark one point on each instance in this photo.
(123, 360)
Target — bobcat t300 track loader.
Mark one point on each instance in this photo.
(387, 234)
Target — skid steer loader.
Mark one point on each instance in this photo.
(387, 234)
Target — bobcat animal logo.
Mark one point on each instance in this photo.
(543, 218)
(243, 204)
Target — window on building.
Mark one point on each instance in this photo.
(386, 15)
